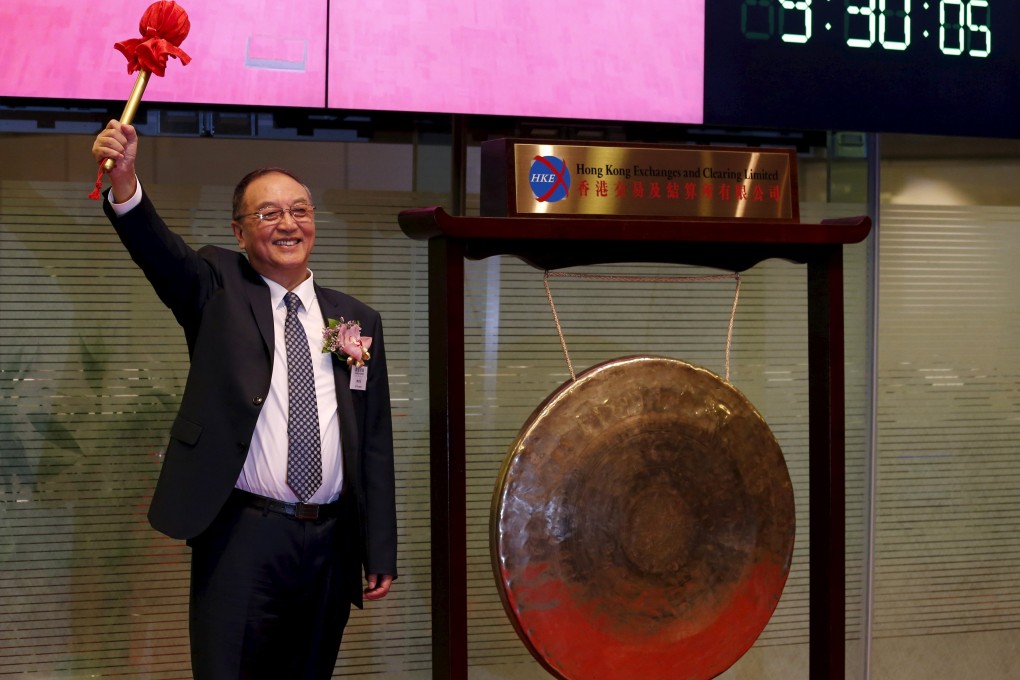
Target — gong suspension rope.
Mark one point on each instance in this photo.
(637, 279)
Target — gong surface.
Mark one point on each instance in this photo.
(642, 525)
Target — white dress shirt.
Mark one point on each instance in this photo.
(265, 469)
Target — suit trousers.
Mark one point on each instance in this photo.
(267, 596)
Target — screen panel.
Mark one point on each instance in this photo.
(917, 66)
(592, 59)
(638, 60)
(244, 52)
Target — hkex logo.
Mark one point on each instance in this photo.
(549, 179)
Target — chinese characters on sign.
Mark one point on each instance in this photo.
(674, 191)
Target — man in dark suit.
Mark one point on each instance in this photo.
(278, 475)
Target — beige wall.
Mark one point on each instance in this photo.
(206, 161)
(915, 170)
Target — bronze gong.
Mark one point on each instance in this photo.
(642, 525)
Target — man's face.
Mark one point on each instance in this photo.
(277, 251)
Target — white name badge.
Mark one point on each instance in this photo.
(359, 377)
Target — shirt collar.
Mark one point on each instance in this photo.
(304, 290)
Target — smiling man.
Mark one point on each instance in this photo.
(277, 247)
(279, 468)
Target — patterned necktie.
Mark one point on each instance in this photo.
(304, 459)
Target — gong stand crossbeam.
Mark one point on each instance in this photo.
(554, 243)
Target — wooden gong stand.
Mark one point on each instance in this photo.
(555, 243)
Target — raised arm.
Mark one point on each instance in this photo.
(182, 278)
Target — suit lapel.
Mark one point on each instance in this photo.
(261, 304)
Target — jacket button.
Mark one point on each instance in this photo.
(257, 400)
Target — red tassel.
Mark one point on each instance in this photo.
(97, 193)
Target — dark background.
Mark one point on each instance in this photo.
(825, 84)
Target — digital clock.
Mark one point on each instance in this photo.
(959, 27)
(923, 66)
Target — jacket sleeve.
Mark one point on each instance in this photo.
(377, 463)
(182, 279)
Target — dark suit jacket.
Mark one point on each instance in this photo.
(223, 305)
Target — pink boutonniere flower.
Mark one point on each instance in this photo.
(344, 339)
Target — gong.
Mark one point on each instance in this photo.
(642, 525)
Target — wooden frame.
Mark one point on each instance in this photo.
(554, 243)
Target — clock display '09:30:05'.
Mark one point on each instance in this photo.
(956, 27)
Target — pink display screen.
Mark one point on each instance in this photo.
(605, 59)
(249, 52)
(633, 60)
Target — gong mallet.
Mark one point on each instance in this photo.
(163, 26)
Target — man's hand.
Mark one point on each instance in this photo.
(378, 586)
(120, 143)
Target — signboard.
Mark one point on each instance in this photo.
(529, 178)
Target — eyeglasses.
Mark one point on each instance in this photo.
(272, 216)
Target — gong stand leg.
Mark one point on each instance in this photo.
(447, 461)
(827, 434)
